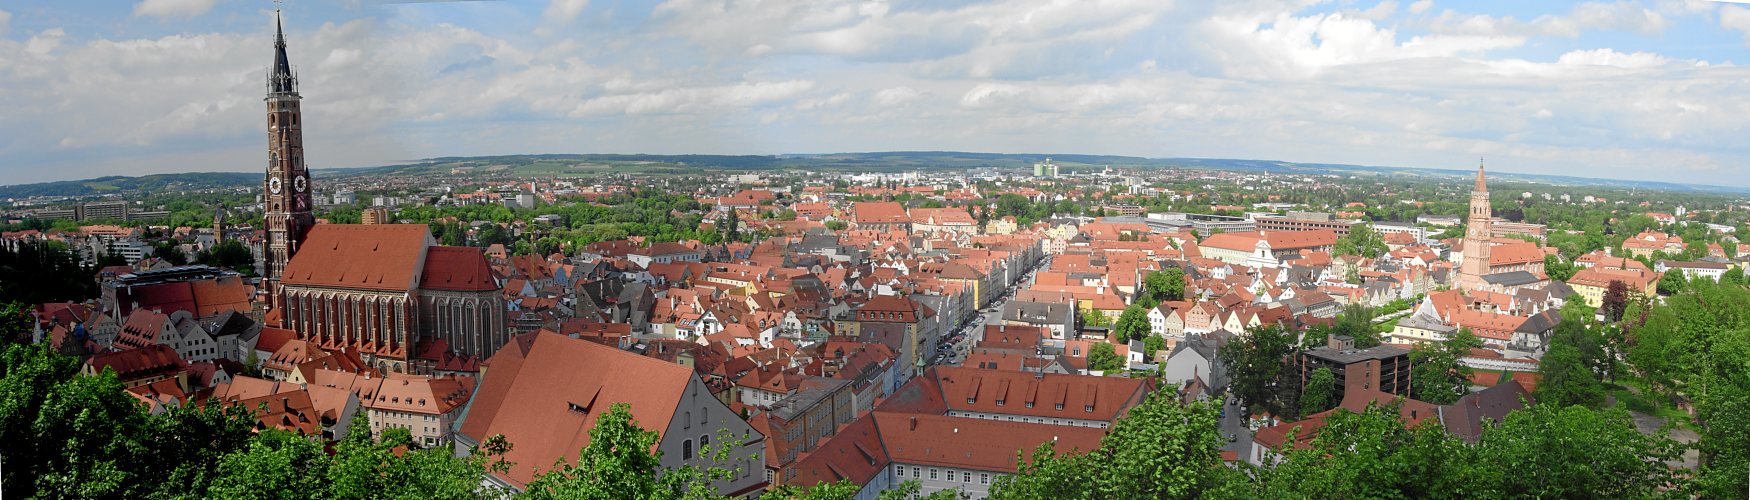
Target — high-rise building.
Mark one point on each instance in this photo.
(104, 210)
(287, 183)
(1477, 236)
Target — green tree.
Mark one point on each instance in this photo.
(1556, 268)
(1734, 276)
(1362, 240)
(1103, 357)
(1133, 324)
(1160, 449)
(15, 323)
(275, 465)
(169, 252)
(392, 467)
(1091, 317)
(1697, 344)
(1166, 284)
(1151, 345)
(1372, 455)
(1564, 379)
(1356, 321)
(1257, 365)
(231, 254)
(1556, 451)
(187, 442)
(1672, 282)
(1436, 374)
(34, 273)
(1320, 393)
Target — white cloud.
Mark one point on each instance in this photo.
(1266, 78)
(173, 8)
(564, 11)
(987, 39)
(1736, 18)
(1607, 57)
(1583, 17)
(5, 21)
(896, 96)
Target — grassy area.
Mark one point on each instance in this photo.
(1639, 400)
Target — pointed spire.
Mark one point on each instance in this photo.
(280, 79)
(1481, 187)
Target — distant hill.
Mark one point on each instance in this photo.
(887, 161)
(118, 184)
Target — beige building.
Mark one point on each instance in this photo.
(426, 407)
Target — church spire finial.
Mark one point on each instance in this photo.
(280, 79)
(1480, 185)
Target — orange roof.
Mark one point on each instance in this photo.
(1599, 276)
(457, 269)
(971, 443)
(372, 257)
(1053, 395)
(1291, 240)
(1511, 252)
(544, 392)
(879, 212)
(1245, 242)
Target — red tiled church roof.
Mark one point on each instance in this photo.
(461, 269)
(371, 257)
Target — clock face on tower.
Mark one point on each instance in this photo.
(299, 183)
(273, 184)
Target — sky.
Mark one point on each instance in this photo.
(1645, 90)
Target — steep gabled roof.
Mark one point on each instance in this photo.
(370, 257)
(462, 269)
(546, 400)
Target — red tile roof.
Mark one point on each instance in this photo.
(1051, 395)
(371, 257)
(971, 443)
(867, 212)
(547, 399)
(462, 269)
(139, 363)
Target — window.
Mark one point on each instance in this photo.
(914, 472)
(687, 449)
(932, 473)
(966, 477)
(704, 440)
(687, 423)
(899, 470)
(984, 478)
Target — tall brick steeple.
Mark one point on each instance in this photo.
(286, 188)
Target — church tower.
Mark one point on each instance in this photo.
(1476, 236)
(287, 185)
